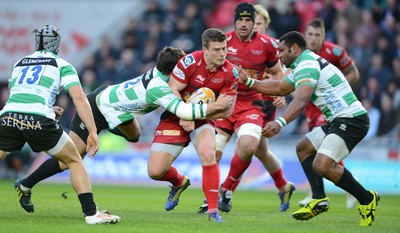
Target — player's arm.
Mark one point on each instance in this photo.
(189, 111)
(296, 106)
(352, 74)
(85, 113)
(276, 71)
(223, 113)
(269, 87)
(176, 86)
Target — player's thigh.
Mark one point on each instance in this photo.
(205, 144)
(131, 129)
(79, 143)
(68, 153)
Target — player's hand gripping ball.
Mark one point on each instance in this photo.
(202, 95)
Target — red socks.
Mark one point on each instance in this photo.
(279, 178)
(211, 185)
(238, 167)
(173, 177)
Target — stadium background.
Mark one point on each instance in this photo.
(109, 42)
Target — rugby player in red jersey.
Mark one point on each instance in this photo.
(337, 56)
(256, 53)
(205, 68)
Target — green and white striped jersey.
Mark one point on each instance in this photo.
(332, 93)
(137, 97)
(35, 82)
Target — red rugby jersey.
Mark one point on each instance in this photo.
(254, 56)
(192, 70)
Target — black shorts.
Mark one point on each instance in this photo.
(269, 111)
(351, 130)
(16, 129)
(77, 125)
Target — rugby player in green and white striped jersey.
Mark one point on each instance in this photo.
(28, 117)
(116, 108)
(320, 150)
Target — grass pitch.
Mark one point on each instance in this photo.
(142, 210)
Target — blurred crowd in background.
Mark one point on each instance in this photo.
(369, 30)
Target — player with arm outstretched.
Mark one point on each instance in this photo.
(115, 108)
(337, 56)
(320, 150)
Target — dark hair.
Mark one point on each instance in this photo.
(212, 35)
(167, 59)
(294, 37)
(317, 23)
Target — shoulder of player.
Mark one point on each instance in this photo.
(266, 40)
(332, 48)
(191, 58)
(306, 60)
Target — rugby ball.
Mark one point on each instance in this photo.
(203, 95)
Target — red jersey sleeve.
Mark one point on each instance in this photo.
(335, 55)
(182, 69)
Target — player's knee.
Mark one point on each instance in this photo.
(155, 174)
(304, 148)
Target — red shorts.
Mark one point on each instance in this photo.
(244, 112)
(170, 132)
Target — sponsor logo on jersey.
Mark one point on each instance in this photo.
(343, 127)
(20, 121)
(264, 40)
(328, 51)
(168, 132)
(199, 79)
(188, 60)
(253, 116)
(217, 80)
(232, 50)
(178, 73)
(165, 89)
(235, 72)
(256, 52)
(337, 51)
(127, 107)
(274, 44)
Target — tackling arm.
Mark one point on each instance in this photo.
(85, 113)
(296, 106)
(187, 111)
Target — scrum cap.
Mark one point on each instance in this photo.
(245, 9)
(48, 37)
